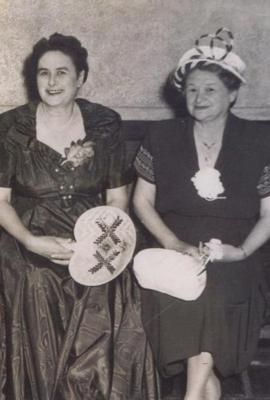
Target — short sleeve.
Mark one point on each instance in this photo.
(144, 161)
(264, 183)
(7, 149)
(116, 171)
(7, 165)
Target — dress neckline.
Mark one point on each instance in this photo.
(78, 128)
(24, 128)
(192, 146)
(99, 123)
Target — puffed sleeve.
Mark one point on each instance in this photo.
(144, 161)
(116, 171)
(264, 183)
(7, 164)
(7, 149)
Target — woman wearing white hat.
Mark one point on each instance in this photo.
(201, 178)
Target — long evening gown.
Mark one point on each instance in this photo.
(66, 341)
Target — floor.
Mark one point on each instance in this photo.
(253, 384)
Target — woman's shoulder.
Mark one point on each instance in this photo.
(251, 126)
(14, 117)
(172, 124)
(164, 131)
(99, 119)
(18, 125)
(251, 136)
(168, 126)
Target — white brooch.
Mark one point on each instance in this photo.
(208, 184)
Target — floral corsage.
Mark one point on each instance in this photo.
(79, 153)
(214, 253)
(215, 249)
(208, 184)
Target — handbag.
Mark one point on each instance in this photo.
(171, 272)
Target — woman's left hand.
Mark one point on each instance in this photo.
(231, 253)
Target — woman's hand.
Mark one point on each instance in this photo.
(191, 251)
(183, 247)
(231, 253)
(55, 249)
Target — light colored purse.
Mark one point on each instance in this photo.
(171, 272)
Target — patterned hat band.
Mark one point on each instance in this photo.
(218, 51)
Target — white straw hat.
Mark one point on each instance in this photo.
(105, 242)
(212, 53)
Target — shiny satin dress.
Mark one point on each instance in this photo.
(66, 341)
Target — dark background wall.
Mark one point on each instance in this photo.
(133, 45)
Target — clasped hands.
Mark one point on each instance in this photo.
(216, 251)
(56, 249)
(60, 250)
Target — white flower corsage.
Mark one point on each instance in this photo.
(79, 153)
(208, 184)
(215, 249)
(214, 253)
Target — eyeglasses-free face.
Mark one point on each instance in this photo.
(207, 97)
(57, 79)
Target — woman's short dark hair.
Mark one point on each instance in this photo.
(230, 81)
(68, 45)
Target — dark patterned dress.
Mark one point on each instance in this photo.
(66, 341)
(225, 320)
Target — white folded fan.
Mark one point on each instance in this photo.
(105, 242)
(170, 272)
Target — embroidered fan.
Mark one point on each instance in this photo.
(105, 242)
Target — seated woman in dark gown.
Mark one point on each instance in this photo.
(202, 178)
(64, 340)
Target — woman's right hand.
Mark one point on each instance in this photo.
(184, 248)
(53, 248)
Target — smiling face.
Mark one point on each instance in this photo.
(207, 97)
(57, 79)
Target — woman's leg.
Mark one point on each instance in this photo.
(201, 380)
(212, 387)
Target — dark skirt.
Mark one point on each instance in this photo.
(224, 321)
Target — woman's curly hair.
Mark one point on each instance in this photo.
(68, 45)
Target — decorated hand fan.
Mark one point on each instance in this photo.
(105, 242)
(168, 271)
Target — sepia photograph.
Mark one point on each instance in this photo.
(135, 200)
